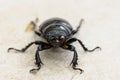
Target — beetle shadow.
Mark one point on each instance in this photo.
(56, 55)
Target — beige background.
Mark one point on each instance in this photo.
(101, 27)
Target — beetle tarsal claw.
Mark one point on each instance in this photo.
(34, 70)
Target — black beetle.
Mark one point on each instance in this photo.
(58, 33)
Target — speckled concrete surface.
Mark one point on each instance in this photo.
(100, 28)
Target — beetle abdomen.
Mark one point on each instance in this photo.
(56, 24)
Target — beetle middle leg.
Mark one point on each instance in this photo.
(75, 57)
(83, 46)
(23, 49)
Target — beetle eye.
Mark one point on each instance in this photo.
(62, 37)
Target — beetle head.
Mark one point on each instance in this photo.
(56, 38)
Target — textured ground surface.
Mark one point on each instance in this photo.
(101, 27)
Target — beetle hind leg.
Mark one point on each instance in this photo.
(32, 27)
(75, 31)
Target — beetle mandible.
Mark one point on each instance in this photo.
(58, 33)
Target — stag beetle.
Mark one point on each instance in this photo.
(58, 33)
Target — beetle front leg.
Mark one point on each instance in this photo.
(38, 62)
(42, 46)
(75, 57)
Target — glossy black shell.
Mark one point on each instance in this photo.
(57, 25)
